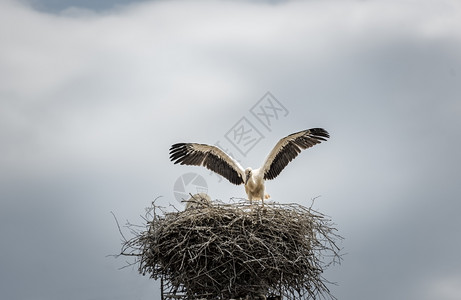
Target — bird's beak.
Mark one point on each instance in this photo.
(246, 179)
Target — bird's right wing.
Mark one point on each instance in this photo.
(210, 157)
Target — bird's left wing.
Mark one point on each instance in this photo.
(210, 157)
(289, 147)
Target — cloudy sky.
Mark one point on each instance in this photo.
(93, 93)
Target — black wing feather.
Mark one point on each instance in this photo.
(187, 154)
(292, 145)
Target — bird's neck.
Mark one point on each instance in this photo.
(254, 178)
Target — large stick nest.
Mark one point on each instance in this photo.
(223, 251)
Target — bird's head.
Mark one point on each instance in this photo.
(248, 172)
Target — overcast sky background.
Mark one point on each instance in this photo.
(93, 93)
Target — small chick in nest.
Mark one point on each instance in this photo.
(199, 200)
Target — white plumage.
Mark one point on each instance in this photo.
(218, 161)
(197, 201)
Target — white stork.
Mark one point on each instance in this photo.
(218, 161)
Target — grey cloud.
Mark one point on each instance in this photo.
(91, 104)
